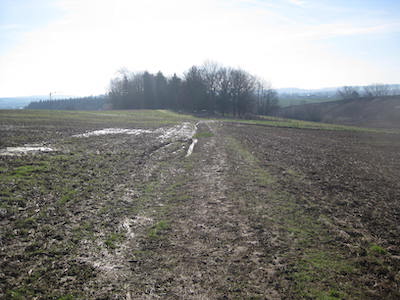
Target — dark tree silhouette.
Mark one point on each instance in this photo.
(377, 90)
(348, 92)
(209, 88)
(174, 93)
(85, 103)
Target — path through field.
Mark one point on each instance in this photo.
(212, 249)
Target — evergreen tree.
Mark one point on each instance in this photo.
(161, 91)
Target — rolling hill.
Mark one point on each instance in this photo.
(383, 112)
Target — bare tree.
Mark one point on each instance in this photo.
(395, 90)
(243, 86)
(211, 76)
(377, 90)
(116, 93)
(266, 98)
(224, 98)
(348, 92)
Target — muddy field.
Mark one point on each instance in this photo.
(115, 205)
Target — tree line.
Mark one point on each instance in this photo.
(208, 88)
(369, 91)
(84, 103)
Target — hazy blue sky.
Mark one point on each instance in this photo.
(76, 46)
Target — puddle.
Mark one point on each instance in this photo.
(190, 150)
(113, 131)
(24, 150)
(185, 130)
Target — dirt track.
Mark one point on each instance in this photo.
(254, 213)
(212, 250)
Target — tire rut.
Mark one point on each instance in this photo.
(216, 253)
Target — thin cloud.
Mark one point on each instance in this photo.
(298, 2)
(80, 51)
(9, 27)
(326, 31)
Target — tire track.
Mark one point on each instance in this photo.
(214, 251)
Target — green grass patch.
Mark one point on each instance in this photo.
(284, 102)
(291, 123)
(114, 239)
(26, 223)
(318, 274)
(377, 250)
(205, 134)
(67, 197)
(157, 229)
(260, 175)
(77, 118)
(27, 170)
(240, 150)
(21, 293)
(317, 271)
(86, 230)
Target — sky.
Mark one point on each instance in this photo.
(75, 47)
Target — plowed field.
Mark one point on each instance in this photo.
(112, 205)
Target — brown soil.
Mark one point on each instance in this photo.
(254, 213)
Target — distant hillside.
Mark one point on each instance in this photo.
(296, 96)
(14, 103)
(82, 103)
(367, 112)
(21, 102)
